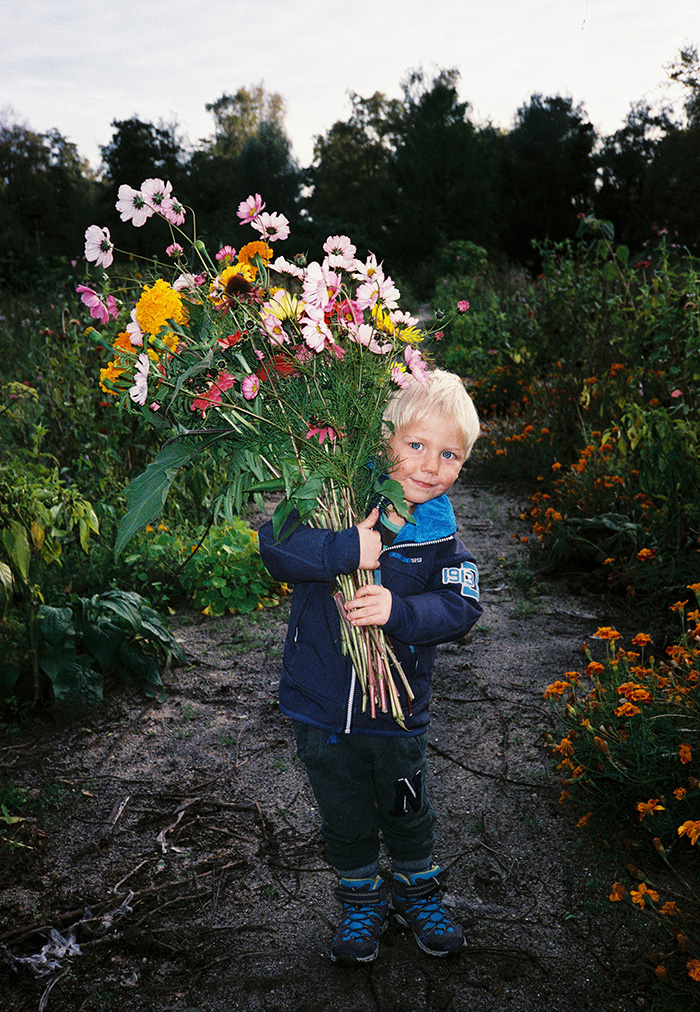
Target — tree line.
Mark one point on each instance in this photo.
(403, 177)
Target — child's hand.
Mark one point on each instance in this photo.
(371, 605)
(370, 542)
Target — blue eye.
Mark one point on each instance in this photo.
(415, 446)
(448, 454)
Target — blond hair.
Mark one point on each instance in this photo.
(442, 394)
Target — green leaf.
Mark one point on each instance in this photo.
(16, 543)
(147, 493)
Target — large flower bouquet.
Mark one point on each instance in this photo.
(285, 366)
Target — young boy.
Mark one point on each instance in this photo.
(367, 773)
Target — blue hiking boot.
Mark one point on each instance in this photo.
(415, 904)
(365, 911)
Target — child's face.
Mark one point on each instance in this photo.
(430, 454)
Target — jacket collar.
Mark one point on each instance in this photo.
(434, 519)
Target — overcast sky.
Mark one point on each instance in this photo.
(78, 64)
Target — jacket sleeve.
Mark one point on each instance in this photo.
(446, 610)
(308, 554)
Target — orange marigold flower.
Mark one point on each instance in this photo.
(691, 829)
(695, 587)
(693, 966)
(681, 941)
(556, 689)
(607, 633)
(649, 807)
(627, 709)
(661, 972)
(642, 640)
(564, 796)
(556, 466)
(584, 819)
(246, 254)
(618, 892)
(642, 894)
(595, 668)
(670, 909)
(680, 793)
(646, 553)
(565, 747)
(685, 753)
(601, 743)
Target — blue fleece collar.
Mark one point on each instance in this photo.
(433, 520)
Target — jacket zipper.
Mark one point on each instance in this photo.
(351, 700)
(415, 544)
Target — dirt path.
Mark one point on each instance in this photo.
(187, 830)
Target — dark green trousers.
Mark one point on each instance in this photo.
(369, 787)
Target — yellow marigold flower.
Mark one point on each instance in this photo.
(649, 807)
(556, 689)
(618, 892)
(693, 967)
(111, 374)
(670, 909)
(246, 254)
(157, 305)
(680, 793)
(607, 633)
(691, 829)
(643, 893)
(685, 753)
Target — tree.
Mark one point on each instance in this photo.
(550, 172)
(625, 161)
(46, 200)
(238, 117)
(446, 173)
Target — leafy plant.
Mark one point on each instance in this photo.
(113, 635)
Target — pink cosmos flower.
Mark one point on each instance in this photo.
(134, 331)
(365, 335)
(439, 334)
(400, 377)
(283, 266)
(226, 253)
(316, 333)
(272, 227)
(132, 205)
(249, 209)
(98, 246)
(349, 312)
(366, 271)
(320, 287)
(376, 289)
(188, 282)
(139, 391)
(273, 328)
(323, 433)
(174, 249)
(414, 361)
(341, 252)
(99, 310)
(173, 211)
(250, 387)
(156, 192)
(403, 319)
(463, 305)
(677, 393)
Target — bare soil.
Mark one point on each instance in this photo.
(175, 862)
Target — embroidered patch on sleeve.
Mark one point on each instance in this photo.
(466, 575)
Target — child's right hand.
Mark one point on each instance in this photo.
(370, 541)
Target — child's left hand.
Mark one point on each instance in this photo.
(371, 605)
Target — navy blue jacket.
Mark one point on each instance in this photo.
(435, 598)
